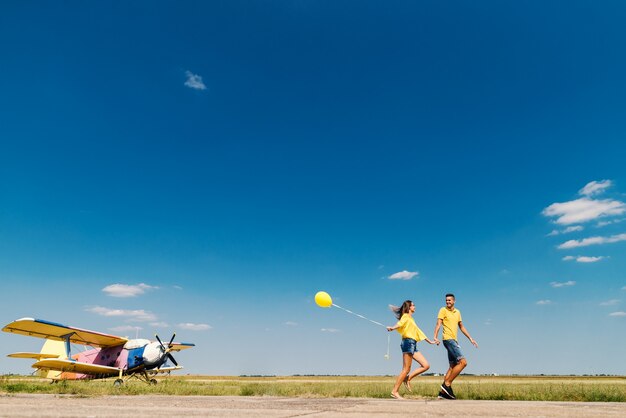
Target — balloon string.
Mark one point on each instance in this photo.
(360, 316)
(388, 342)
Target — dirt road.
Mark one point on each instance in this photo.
(29, 405)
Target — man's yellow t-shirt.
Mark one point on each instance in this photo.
(409, 329)
(451, 319)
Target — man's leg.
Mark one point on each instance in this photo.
(454, 371)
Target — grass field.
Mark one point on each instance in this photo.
(532, 388)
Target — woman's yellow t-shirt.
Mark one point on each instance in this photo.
(409, 329)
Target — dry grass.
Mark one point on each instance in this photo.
(535, 388)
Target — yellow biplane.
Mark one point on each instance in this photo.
(109, 355)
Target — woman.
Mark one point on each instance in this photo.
(411, 335)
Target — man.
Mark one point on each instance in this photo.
(450, 317)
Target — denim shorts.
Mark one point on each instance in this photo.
(454, 351)
(409, 346)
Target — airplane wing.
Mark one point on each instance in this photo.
(36, 356)
(164, 370)
(180, 346)
(76, 367)
(53, 331)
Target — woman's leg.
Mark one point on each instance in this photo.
(419, 358)
(406, 368)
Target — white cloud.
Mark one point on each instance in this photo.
(573, 243)
(194, 81)
(584, 258)
(583, 210)
(614, 221)
(611, 302)
(126, 328)
(403, 275)
(159, 324)
(619, 313)
(333, 330)
(138, 315)
(119, 290)
(595, 187)
(567, 230)
(563, 284)
(291, 324)
(194, 327)
(544, 302)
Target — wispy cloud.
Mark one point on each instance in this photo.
(605, 223)
(194, 327)
(611, 302)
(333, 330)
(618, 313)
(544, 302)
(563, 284)
(567, 230)
(595, 187)
(137, 315)
(573, 243)
(583, 210)
(159, 324)
(403, 275)
(584, 258)
(125, 328)
(194, 81)
(119, 290)
(291, 324)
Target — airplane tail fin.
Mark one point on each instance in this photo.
(56, 348)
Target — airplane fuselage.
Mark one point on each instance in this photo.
(135, 355)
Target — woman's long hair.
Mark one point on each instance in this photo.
(398, 311)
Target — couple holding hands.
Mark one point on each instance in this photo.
(450, 318)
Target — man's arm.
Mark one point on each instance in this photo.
(466, 332)
(439, 322)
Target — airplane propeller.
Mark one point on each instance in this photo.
(168, 349)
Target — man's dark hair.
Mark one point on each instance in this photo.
(450, 295)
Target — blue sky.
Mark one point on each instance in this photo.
(207, 167)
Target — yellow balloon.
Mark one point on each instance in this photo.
(323, 299)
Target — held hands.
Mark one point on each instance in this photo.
(435, 341)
